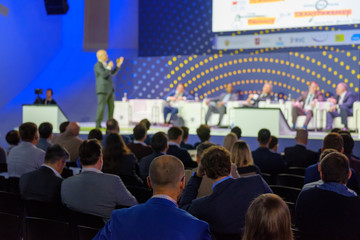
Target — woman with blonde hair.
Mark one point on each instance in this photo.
(242, 158)
(268, 217)
(229, 141)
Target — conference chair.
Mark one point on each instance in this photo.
(76, 218)
(296, 171)
(86, 233)
(3, 167)
(290, 180)
(45, 210)
(291, 207)
(130, 180)
(14, 185)
(11, 203)
(10, 226)
(269, 178)
(140, 193)
(45, 229)
(289, 194)
(3, 183)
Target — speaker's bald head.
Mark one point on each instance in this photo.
(166, 171)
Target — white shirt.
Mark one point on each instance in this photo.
(56, 172)
(139, 142)
(105, 65)
(341, 98)
(174, 144)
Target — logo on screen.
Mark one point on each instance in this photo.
(257, 41)
(355, 37)
(320, 38)
(297, 40)
(339, 38)
(280, 42)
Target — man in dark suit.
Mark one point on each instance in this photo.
(46, 133)
(175, 136)
(139, 147)
(172, 99)
(305, 104)
(298, 155)
(92, 191)
(44, 183)
(331, 210)
(265, 95)
(184, 143)
(266, 160)
(158, 218)
(112, 126)
(159, 144)
(225, 208)
(49, 100)
(104, 85)
(218, 104)
(348, 148)
(344, 101)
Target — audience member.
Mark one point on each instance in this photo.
(159, 218)
(63, 126)
(203, 132)
(112, 126)
(184, 143)
(92, 191)
(70, 140)
(44, 184)
(331, 210)
(229, 141)
(118, 159)
(95, 134)
(225, 208)
(268, 217)
(46, 133)
(175, 136)
(348, 148)
(139, 147)
(13, 139)
(242, 158)
(267, 161)
(2, 155)
(25, 157)
(237, 131)
(147, 124)
(298, 155)
(274, 143)
(159, 144)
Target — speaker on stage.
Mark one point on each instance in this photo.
(56, 6)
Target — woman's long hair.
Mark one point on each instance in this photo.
(114, 150)
(241, 154)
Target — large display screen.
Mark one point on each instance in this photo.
(245, 15)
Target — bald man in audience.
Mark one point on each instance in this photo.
(159, 218)
(104, 85)
(70, 140)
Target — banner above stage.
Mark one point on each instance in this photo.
(287, 40)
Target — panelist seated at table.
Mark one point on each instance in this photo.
(173, 98)
(218, 104)
(341, 106)
(305, 104)
(265, 95)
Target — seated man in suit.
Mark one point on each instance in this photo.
(218, 104)
(175, 136)
(44, 183)
(159, 218)
(184, 143)
(331, 210)
(46, 133)
(226, 207)
(159, 144)
(266, 160)
(305, 104)
(139, 147)
(204, 134)
(348, 149)
(172, 99)
(298, 155)
(265, 95)
(112, 126)
(343, 102)
(25, 157)
(92, 191)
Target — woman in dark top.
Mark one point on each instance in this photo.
(119, 160)
(242, 158)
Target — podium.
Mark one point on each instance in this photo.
(44, 113)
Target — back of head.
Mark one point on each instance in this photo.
(45, 129)
(335, 167)
(112, 125)
(348, 143)
(89, 152)
(268, 217)
(334, 141)
(229, 141)
(237, 131)
(63, 126)
(185, 132)
(241, 154)
(115, 146)
(28, 131)
(174, 133)
(95, 134)
(166, 171)
(203, 132)
(139, 132)
(202, 147)
(273, 142)
(146, 123)
(216, 162)
(55, 153)
(264, 136)
(301, 136)
(73, 128)
(326, 152)
(13, 137)
(159, 142)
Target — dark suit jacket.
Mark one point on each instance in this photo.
(140, 150)
(104, 82)
(348, 101)
(268, 162)
(186, 146)
(145, 164)
(41, 185)
(126, 165)
(299, 156)
(226, 207)
(318, 96)
(183, 155)
(154, 220)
